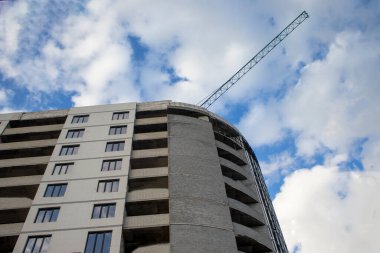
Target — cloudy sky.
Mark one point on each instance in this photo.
(310, 109)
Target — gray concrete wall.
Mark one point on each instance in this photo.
(199, 216)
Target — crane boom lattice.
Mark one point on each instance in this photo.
(209, 100)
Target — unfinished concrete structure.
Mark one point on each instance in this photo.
(134, 177)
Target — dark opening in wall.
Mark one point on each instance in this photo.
(150, 144)
(235, 175)
(36, 122)
(244, 219)
(147, 207)
(239, 195)
(29, 136)
(7, 243)
(248, 245)
(151, 114)
(26, 152)
(135, 238)
(19, 171)
(230, 157)
(147, 183)
(161, 127)
(152, 162)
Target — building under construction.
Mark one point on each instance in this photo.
(133, 177)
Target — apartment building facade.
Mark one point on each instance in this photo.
(132, 177)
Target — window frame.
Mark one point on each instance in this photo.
(54, 186)
(75, 133)
(105, 235)
(60, 166)
(73, 148)
(54, 212)
(108, 184)
(80, 119)
(110, 212)
(43, 246)
(120, 115)
(108, 163)
(112, 144)
(116, 130)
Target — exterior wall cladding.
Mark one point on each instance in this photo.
(134, 177)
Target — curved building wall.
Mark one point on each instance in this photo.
(186, 181)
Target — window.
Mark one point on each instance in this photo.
(118, 130)
(120, 115)
(111, 165)
(108, 186)
(47, 215)
(62, 168)
(77, 133)
(80, 119)
(103, 211)
(69, 150)
(37, 244)
(55, 190)
(115, 146)
(98, 242)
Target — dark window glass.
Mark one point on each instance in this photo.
(111, 165)
(117, 130)
(62, 168)
(47, 215)
(108, 185)
(77, 133)
(98, 242)
(80, 119)
(120, 115)
(37, 244)
(103, 211)
(115, 146)
(55, 190)
(69, 150)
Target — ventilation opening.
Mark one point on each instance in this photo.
(147, 207)
(228, 172)
(20, 171)
(150, 114)
(147, 183)
(150, 144)
(28, 152)
(230, 157)
(30, 136)
(248, 245)
(142, 163)
(244, 219)
(239, 195)
(151, 128)
(135, 238)
(36, 122)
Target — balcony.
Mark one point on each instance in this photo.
(233, 171)
(8, 236)
(19, 186)
(253, 213)
(231, 154)
(151, 239)
(149, 153)
(148, 172)
(18, 162)
(238, 191)
(150, 136)
(251, 240)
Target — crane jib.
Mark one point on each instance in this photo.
(210, 99)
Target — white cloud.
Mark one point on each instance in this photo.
(327, 210)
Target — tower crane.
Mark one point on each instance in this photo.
(210, 99)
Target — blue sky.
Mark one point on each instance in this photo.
(310, 109)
